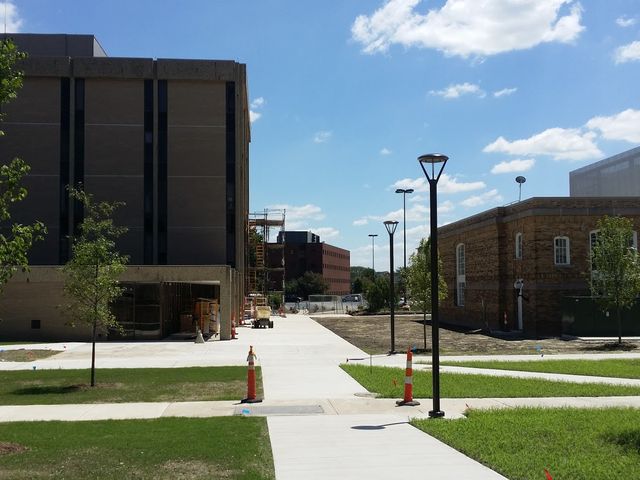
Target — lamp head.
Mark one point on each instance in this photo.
(391, 225)
(433, 158)
(373, 234)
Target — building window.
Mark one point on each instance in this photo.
(460, 275)
(519, 246)
(562, 255)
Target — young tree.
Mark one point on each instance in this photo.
(377, 292)
(15, 239)
(615, 276)
(418, 278)
(91, 276)
(310, 283)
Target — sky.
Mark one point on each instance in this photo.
(345, 95)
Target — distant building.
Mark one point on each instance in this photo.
(527, 257)
(170, 138)
(617, 176)
(303, 252)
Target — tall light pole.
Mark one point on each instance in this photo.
(373, 252)
(433, 159)
(391, 226)
(404, 192)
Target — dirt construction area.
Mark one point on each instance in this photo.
(372, 333)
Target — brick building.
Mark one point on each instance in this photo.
(304, 252)
(544, 243)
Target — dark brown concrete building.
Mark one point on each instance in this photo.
(304, 252)
(534, 253)
(167, 137)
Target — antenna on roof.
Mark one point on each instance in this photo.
(520, 180)
(5, 17)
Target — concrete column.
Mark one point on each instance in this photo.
(226, 305)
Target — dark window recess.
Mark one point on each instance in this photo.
(162, 171)
(35, 324)
(148, 172)
(78, 151)
(230, 155)
(63, 194)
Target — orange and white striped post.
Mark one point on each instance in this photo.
(408, 384)
(251, 379)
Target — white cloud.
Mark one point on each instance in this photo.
(627, 53)
(253, 116)
(559, 143)
(513, 166)
(326, 233)
(360, 222)
(385, 151)
(505, 92)
(322, 136)
(469, 27)
(298, 217)
(258, 102)
(455, 91)
(492, 196)
(622, 126)
(625, 21)
(12, 18)
(447, 184)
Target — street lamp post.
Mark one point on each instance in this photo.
(404, 192)
(433, 159)
(373, 252)
(391, 226)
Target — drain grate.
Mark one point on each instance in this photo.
(279, 410)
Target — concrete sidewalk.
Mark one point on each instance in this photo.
(322, 423)
(323, 407)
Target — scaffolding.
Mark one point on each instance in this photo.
(266, 272)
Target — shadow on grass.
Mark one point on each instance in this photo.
(48, 390)
(610, 347)
(629, 439)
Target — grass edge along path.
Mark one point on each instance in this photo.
(609, 367)
(118, 385)
(388, 382)
(166, 448)
(519, 443)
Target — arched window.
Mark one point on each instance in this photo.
(561, 251)
(460, 275)
(519, 246)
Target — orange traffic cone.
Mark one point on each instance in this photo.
(251, 379)
(408, 384)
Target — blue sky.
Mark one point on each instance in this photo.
(347, 94)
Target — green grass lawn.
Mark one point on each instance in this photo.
(615, 367)
(25, 355)
(389, 383)
(573, 444)
(25, 387)
(166, 448)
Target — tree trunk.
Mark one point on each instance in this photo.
(93, 354)
(619, 315)
(93, 339)
(424, 327)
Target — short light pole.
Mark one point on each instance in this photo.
(391, 226)
(404, 192)
(373, 252)
(433, 159)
